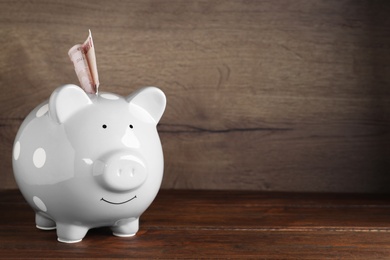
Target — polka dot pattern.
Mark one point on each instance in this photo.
(88, 161)
(39, 157)
(16, 150)
(43, 110)
(109, 96)
(39, 203)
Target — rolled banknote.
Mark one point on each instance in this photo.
(89, 50)
(81, 68)
(84, 61)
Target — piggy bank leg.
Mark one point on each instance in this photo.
(43, 222)
(125, 227)
(68, 233)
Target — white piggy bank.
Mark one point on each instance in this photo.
(83, 161)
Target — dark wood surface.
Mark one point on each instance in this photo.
(271, 95)
(219, 224)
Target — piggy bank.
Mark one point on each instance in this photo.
(83, 161)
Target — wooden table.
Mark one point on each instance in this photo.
(219, 224)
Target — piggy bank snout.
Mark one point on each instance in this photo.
(120, 171)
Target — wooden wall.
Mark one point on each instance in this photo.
(277, 95)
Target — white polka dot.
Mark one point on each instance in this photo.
(16, 150)
(39, 203)
(109, 96)
(42, 110)
(88, 161)
(39, 157)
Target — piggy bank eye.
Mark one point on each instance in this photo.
(131, 126)
(104, 126)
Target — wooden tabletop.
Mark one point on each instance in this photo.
(219, 224)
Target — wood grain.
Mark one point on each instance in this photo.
(219, 224)
(262, 95)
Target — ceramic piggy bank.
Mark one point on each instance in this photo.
(83, 161)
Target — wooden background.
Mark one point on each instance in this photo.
(278, 95)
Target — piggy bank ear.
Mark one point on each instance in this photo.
(66, 101)
(150, 99)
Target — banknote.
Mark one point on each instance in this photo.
(84, 61)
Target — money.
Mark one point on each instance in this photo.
(84, 61)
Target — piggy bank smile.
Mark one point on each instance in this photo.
(118, 203)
